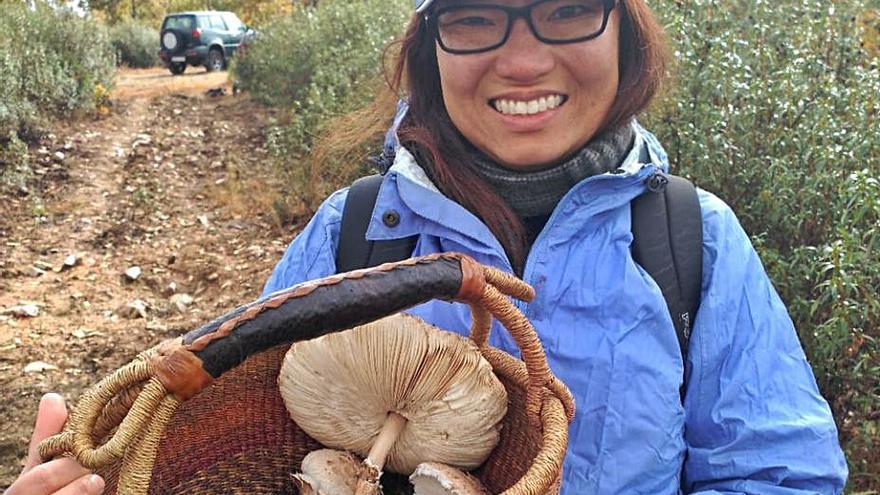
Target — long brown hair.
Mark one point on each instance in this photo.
(429, 133)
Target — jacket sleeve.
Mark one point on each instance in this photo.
(755, 421)
(312, 254)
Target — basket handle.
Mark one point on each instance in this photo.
(326, 305)
(331, 304)
(493, 303)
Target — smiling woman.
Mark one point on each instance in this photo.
(593, 71)
(494, 97)
(516, 142)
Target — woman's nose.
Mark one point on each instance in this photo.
(523, 57)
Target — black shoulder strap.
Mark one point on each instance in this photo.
(354, 250)
(667, 228)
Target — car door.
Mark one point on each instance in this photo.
(236, 30)
(218, 26)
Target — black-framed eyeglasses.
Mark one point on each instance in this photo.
(480, 27)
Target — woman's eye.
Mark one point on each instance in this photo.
(472, 21)
(569, 12)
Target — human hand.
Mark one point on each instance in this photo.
(59, 476)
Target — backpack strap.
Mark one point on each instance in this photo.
(667, 228)
(667, 241)
(354, 250)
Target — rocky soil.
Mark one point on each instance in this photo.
(143, 224)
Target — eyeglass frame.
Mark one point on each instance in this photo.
(513, 13)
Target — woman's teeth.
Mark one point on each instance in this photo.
(514, 107)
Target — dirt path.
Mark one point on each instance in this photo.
(171, 187)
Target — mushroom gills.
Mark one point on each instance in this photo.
(390, 391)
(328, 472)
(434, 478)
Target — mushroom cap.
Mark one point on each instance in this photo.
(330, 472)
(339, 388)
(433, 478)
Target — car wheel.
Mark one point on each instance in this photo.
(170, 40)
(177, 68)
(215, 60)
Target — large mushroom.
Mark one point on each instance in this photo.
(397, 391)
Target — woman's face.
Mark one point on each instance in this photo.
(479, 91)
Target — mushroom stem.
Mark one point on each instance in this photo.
(368, 479)
(391, 429)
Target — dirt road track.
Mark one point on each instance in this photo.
(173, 182)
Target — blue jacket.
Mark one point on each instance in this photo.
(752, 420)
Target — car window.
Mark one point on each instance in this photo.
(179, 22)
(217, 23)
(233, 22)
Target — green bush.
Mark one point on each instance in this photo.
(14, 161)
(136, 45)
(775, 110)
(319, 63)
(52, 65)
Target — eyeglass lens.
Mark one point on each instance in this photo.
(477, 27)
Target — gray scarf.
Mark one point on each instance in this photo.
(536, 193)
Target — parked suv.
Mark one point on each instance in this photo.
(200, 38)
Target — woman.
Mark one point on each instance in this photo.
(520, 149)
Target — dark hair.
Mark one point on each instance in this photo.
(428, 131)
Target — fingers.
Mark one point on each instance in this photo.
(57, 477)
(90, 484)
(51, 416)
(61, 476)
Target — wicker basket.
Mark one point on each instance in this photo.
(163, 425)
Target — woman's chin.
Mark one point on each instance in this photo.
(528, 158)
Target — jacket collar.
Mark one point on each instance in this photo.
(422, 208)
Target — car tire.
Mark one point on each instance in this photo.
(170, 40)
(177, 68)
(215, 60)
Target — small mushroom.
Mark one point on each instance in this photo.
(328, 472)
(305, 484)
(433, 478)
(397, 391)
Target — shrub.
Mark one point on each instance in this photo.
(14, 170)
(51, 68)
(136, 45)
(319, 63)
(781, 123)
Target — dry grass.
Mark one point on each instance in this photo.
(246, 197)
(147, 83)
